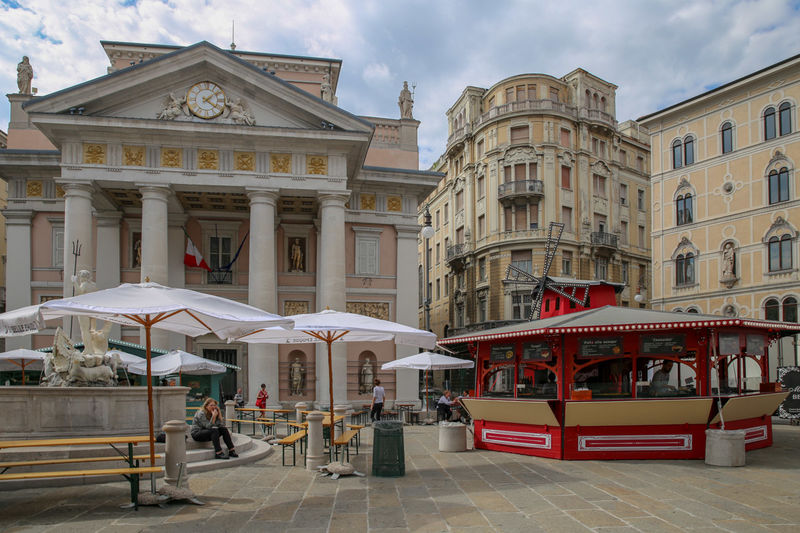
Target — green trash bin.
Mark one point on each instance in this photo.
(388, 453)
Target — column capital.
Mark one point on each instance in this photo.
(83, 189)
(333, 199)
(263, 196)
(18, 217)
(177, 219)
(408, 231)
(155, 192)
(108, 218)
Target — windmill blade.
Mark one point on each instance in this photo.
(571, 297)
(551, 245)
(516, 275)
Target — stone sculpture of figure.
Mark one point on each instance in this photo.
(83, 284)
(367, 375)
(238, 113)
(296, 377)
(173, 107)
(406, 102)
(326, 89)
(24, 76)
(297, 256)
(65, 366)
(728, 261)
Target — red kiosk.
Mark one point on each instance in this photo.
(620, 383)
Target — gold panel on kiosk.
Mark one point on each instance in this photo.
(532, 412)
(638, 412)
(744, 407)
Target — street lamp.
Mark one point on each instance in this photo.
(427, 233)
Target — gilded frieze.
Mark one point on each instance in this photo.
(59, 191)
(367, 202)
(208, 159)
(172, 157)
(34, 189)
(280, 163)
(294, 307)
(394, 203)
(133, 156)
(244, 161)
(372, 309)
(94, 154)
(317, 164)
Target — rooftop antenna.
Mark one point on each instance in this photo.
(233, 32)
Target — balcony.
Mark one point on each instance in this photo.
(457, 255)
(520, 189)
(529, 106)
(601, 239)
(595, 115)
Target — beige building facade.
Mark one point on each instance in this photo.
(531, 150)
(725, 204)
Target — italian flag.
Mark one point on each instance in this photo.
(193, 258)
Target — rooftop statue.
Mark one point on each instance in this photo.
(406, 102)
(24, 76)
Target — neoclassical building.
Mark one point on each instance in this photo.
(531, 150)
(296, 204)
(726, 203)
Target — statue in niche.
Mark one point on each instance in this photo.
(296, 257)
(238, 113)
(24, 76)
(728, 265)
(296, 377)
(366, 377)
(406, 102)
(326, 90)
(173, 107)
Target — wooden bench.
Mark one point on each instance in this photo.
(11, 464)
(358, 428)
(263, 423)
(290, 441)
(344, 440)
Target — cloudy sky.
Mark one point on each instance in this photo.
(657, 52)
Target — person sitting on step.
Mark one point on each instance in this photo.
(208, 425)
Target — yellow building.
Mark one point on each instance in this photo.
(530, 150)
(726, 205)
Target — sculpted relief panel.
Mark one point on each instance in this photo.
(94, 154)
(171, 157)
(317, 164)
(371, 309)
(244, 161)
(133, 156)
(280, 163)
(208, 159)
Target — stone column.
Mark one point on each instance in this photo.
(315, 449)
(230, 414)
(18, 268)
(262, 291)
(406, 308)
(174, 451)
(299, 407)
(108, 255)
(176, 269)
(331, 268)
(77, 227)
(339, 410)
(155, 246)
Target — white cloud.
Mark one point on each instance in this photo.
(658, 52)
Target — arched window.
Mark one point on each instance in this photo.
(772, 309)
(688, 151)
(727, 137)
(769, 123)
(779, 186)
(692, 310)
(603, 104)
(677, 156)
(786, 118)
(684, 269)
(780, 253)
(790, 309)
(684, 209)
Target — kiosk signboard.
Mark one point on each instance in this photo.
(502, 353)
(663, 344)
(536, 351)
(789, 378)
(600, 346)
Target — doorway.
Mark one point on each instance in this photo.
(227, 384)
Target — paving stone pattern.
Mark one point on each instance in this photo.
(474, 491)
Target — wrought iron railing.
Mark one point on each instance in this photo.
(524, 187)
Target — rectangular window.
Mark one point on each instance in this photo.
(642, 243)
(595, 145)
(482, 269)
(520, 218)
(509, 95)
(446, 285)
(507, 175)
(438, 289)
(479, 149)
(566, 177)
(58, 246)
(437, 219)
(600, 223)
(522, 260)
(599, 183)
(491, 102)
(533, 211)
(459, 201)
(521, 305)
(625, 267)
(602, 149)
(446, 216)
(566, 263)
(640, 199)
(460, 235)
(507, 219)
(601, 268)
(566, 218)
(565, 138)
(521, 93)
(532, 92)
(438, 253)
(623, 229)
(479, 185)
(519, 134)
(219, 255)
(482, 309)
(623, 194)
(554, 94)
(519, 172)
(481, 226)
(623, 158)
(640, 164)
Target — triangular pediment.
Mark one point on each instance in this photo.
(201, 84)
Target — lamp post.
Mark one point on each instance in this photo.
(427, 233)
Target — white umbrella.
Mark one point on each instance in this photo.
(149, 305)
(21, 358)
(179, 362)
(428, 361)
(331, 326)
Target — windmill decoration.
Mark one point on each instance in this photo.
(539, 284)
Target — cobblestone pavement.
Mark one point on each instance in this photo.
(475, 491)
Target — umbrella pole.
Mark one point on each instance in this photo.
(330, 386)
(23, 371)
(150, 396)
(427, 398)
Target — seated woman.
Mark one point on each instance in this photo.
(208, 425)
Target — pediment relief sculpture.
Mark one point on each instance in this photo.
(520, 155)
(601, 169)
(207, 103)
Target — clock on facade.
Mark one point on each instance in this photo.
(205, 100)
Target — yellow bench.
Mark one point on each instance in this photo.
(291, 441)
(11, 464)
(344, 440)
(358, 428)
(263, 423)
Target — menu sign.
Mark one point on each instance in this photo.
(755, 344)
(502, 352)
(789, 378)
(663, 344)
(536, 351)
(600, 346)
(728, 343)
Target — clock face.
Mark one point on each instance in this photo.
(206, 100)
